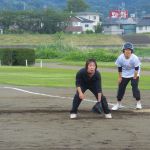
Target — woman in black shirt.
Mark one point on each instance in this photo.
(89, 78)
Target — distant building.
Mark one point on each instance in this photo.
(119, 26)
(1, 30)
(83, 22)
(143, 25)
(14, 27)
(93, 16)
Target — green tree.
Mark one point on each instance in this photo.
(53, 21)
(98, 29)
(76, 5)
(46, 21)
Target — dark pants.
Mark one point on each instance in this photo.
(123, 85)
(77, 100)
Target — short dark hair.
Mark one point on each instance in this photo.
(89, 61)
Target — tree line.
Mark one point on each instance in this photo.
(47, 20)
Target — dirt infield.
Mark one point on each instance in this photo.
(31, 121)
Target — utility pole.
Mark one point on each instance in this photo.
(24, 6)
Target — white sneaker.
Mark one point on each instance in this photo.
(73, 116)
(138, 105)
(108, 116)
(117, 106)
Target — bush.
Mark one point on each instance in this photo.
(76, 56)
(17, 57)
(89, 31)
(99, 55)
(142, 52)
(102, 55)
(56, 51)
(53, 51)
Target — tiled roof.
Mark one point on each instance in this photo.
(87, 13)
(84, 20)
(144, 22)
(116, 21)
(80, 19)
(73, 29)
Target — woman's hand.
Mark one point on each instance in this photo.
(119, 80)
(81, 96)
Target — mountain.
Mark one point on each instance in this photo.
(139, 7)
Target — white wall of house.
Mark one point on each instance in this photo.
(143, 29)
(93, 19)
(85, 26)
(76, 23)
(88, 26)
(76, 32)
(1, 31)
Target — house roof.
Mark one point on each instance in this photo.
(86, 13)
(115, 21)
(73, 29)
(80, 19)
(145, 21)
(75, 19)
(84, 20)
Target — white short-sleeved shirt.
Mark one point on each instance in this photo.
(128, 65)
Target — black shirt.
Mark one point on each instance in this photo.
(83, 80)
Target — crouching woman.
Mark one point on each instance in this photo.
(89, 78)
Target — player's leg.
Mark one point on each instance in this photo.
(136, 92)
(120, 93)
(75, 104)
(105, 107)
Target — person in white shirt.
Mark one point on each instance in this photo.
(128, 70)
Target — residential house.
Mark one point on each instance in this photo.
(93, 16)
(1, 29)
(119, 26)
(143, 25)
(83, 22)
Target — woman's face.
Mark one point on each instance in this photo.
(127, 53)
(91, 68)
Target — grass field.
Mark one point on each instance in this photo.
(33, 76)
(145, 65)
(74, 40)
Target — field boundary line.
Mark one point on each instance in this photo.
(49, 95)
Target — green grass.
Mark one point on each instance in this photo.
(31, 76)
(25, 39)
(46, 77)
(73, 40)
(142, 52)
(76, 63)
(145, 65)
(92, 39)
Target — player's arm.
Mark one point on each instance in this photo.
(136, 72)
(119, 74)
(136, 67)
(119, 65)
(78, 85)
(99, 86)
(81, 95)
(99, 97)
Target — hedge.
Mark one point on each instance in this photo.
(17, 57)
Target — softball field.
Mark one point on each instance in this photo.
(37, 118)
